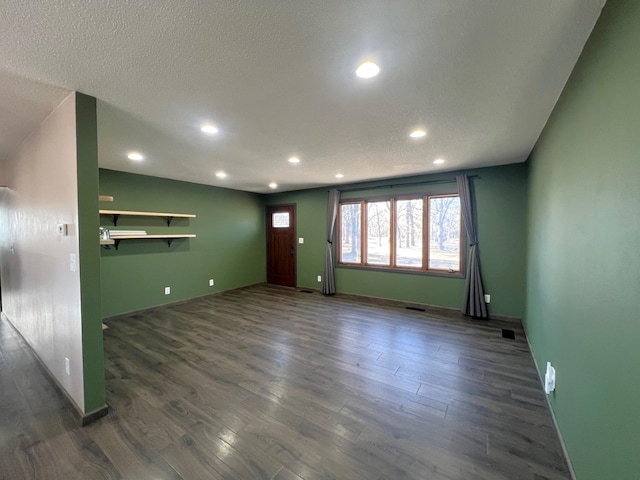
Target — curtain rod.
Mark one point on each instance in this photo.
(428, 182)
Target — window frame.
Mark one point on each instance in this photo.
(392, 267)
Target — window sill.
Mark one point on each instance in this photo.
(410, 271)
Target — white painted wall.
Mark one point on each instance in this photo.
(40, 295)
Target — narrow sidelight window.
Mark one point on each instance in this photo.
(350, 233)
(409, 233)
(379, 233)
(444, 233)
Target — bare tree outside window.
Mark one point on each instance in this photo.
(444, 233)
(350, 232)
(409, 233)
(379, 233)
(393, 233)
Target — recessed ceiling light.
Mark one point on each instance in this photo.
(418, 133)
(135, 156)
(294, 160)
(339, 175)
(438, 161)
(273, 185)
(367, 70)
(221, 174)
(209, 129)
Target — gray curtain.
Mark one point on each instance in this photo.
(329, 278)
(474, 304)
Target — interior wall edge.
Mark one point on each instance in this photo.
(50, 376)
(556, 426)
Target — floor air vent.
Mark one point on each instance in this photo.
(416, 309)
(510, 334)
(306, 291)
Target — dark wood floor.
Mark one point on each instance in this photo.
(271, 383)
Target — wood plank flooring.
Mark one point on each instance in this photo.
(272, 383)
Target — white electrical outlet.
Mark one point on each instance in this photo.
(167, 290)
(549, 379)
(67, 366)
(487, 298)
(301, 240)
(211, 282)
(319, 278)
(73, 266)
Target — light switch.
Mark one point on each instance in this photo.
(61, 229)
(301, 240)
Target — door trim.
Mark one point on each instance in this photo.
(294, 219)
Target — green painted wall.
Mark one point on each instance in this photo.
(501, 210)
(229, 247)
(88, 223)
(584, 251)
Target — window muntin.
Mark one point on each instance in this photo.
(394, 234)
(280, 220)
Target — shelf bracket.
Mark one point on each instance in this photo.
(169, 242)
(115, 220)
(116, 242)
(169, 220)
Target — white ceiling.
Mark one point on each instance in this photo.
(277, 77)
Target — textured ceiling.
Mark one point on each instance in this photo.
(277, 77)
(24, 104)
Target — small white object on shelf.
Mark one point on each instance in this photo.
(126, 233)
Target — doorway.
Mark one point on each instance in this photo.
(281, 245)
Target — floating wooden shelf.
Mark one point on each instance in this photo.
(105, 198)
(169, 216)
(168, 238)
(108, 241)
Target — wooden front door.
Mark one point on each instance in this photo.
(281, 245)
